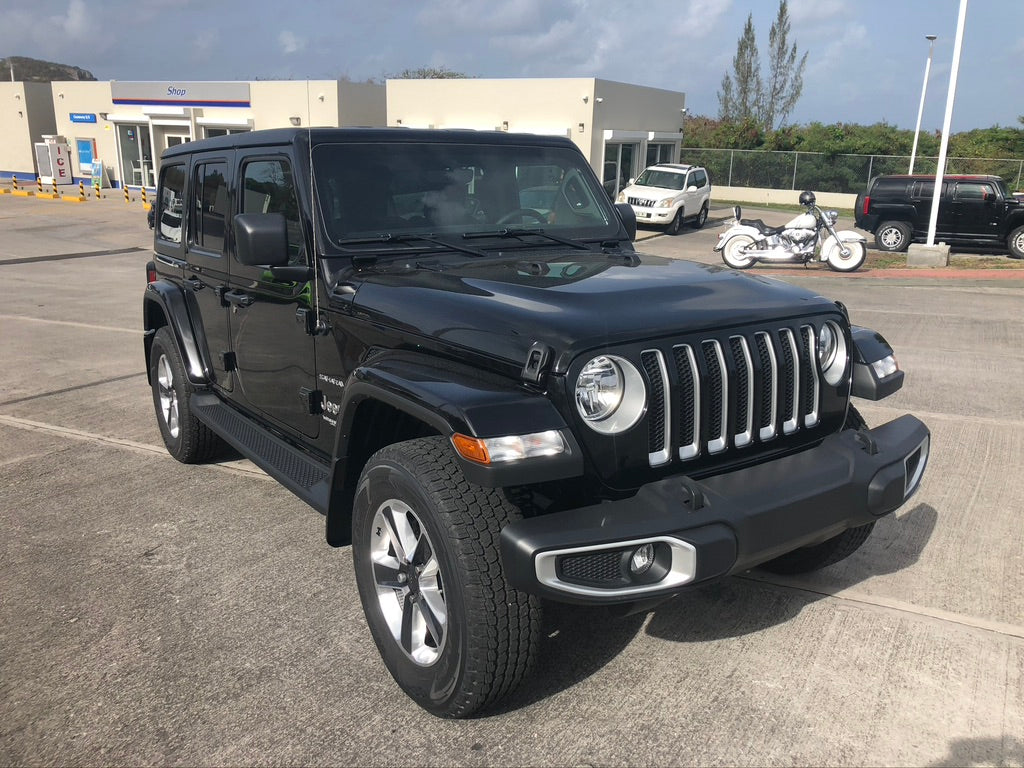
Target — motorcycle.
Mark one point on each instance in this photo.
(748, 241)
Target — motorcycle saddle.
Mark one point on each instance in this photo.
(761, 227)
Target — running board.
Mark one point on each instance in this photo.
(301, 474)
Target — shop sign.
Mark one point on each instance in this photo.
(180, 94)
(83, 117)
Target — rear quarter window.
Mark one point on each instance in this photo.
(889, 188)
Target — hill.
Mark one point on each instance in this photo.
(37, 71)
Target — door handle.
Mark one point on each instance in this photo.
(195, 283)
(239, 298)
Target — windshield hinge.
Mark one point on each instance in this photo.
(312, 400)
(536, 361)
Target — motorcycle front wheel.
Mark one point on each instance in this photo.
(734, 252)
(832, 251)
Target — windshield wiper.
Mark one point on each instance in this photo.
(387, 237)
(519, 232)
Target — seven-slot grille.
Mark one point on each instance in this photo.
(642, 202)
(735, 391)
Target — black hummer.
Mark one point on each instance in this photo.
(496, 402)
(973, 211)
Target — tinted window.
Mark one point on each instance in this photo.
(699, 178)
(268, 187)
(889, 188)
(170, 203)
(210, 194)
(923, 189)
(972, 190)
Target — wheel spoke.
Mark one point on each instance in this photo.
(434, 623)
(407, 622)
(423, 552)
(386, 575)
(400, 533)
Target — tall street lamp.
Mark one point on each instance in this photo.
(924, 90)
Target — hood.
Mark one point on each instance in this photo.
(653, 193)
(571, 302)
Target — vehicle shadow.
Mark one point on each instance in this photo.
(759, 599)
(983, 751)
(578, 641)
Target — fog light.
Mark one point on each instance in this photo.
(887, 366)
(642, 559)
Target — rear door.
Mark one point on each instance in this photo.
(274, 352)
(206, 267)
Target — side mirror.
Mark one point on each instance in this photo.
(692, 188)
(632, 180)
(628, 217)
(736, 211)
(261, 239)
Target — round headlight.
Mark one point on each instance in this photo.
(599, 389)
(826, 346)
(832, 353)
(610, 394)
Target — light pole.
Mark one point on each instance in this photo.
(924, 90)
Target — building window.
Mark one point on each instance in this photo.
(619, 167)
(659, 153)
(211, 131)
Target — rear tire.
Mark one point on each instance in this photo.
(451, 631)
(1016, 243)
(732, 252)
(892, 236)
(702, 217)
(831, 551)
(187, 439)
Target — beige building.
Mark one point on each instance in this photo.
(621, 128)
(26, 115)
(127, 125)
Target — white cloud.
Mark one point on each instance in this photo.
(812, 11)
(290, 42)
(698, 18)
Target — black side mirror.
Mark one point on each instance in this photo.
(261, 239)
(628, 217)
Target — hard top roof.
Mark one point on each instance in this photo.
(945, 177)
(681, 167)
(286, 136)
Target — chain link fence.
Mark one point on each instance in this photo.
(832, 173)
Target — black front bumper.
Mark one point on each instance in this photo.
(722, 524)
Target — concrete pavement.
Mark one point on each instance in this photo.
(154, 613)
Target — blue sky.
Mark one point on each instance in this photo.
(865, 64)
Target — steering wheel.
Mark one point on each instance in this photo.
(521, 214)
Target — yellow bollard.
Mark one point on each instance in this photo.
(144, 202)
(56, 194)
(39, 183)
(81, 189)
(96, 186)
(126, 198)
(14, 181)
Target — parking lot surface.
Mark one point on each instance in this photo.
(156, 613)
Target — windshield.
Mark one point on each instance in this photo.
(663, 179)
(369, 191)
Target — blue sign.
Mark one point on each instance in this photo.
(83, 117)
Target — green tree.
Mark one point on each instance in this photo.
(745, 95)
(742, 90)
(428, 73)
(785, 73)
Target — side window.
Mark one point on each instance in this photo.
(700, 179)
(210, 198)
(923, 190)
(170, 210)
(972, 190)
(268, 187)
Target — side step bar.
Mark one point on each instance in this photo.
(301, 474)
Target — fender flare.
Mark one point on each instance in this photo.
(869, 347)
(173, 305)
(740, 229)
(450, 397)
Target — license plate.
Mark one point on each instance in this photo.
(644, 215)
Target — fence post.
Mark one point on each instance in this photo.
(1020, 169)
(731, 153)
(871, 165)
(796, 156)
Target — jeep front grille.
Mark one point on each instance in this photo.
(643, 203)
(730, 393)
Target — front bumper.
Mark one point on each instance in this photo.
(654, 215)
(720, 525)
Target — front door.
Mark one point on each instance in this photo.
(976, 210)
(274, 353)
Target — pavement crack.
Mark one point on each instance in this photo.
(75, 388)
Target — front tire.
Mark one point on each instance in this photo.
(839, 263)
(1016, 243)
(892, 236)
(831, 551)
(451, 631)
(676, 225)
(187, 439)
(733, 252)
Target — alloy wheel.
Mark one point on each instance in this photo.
(168, 396)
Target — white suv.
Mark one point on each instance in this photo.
(669, 193)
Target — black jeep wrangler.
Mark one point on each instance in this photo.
(973, 211)
(496, 402)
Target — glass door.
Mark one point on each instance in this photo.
(619, 166)
(135, 154)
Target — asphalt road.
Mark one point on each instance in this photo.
(154, 613)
